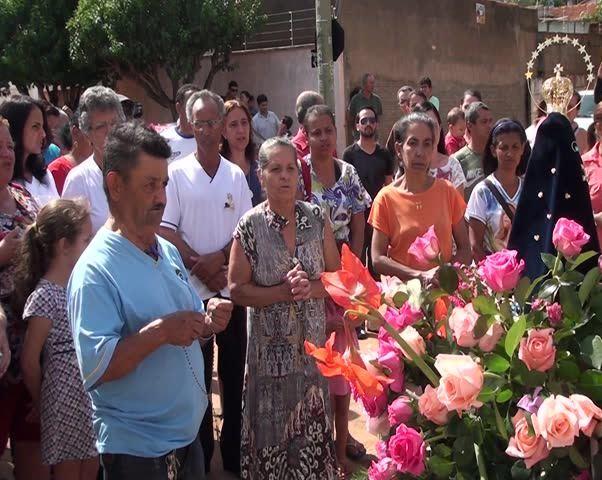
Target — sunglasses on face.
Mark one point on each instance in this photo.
(367, 120)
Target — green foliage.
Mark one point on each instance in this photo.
(34, 49)
(154, 40)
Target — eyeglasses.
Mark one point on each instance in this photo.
(199, 124)
(367, 120)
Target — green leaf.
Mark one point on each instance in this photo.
(448, 278)
(548, 289)
(514, 335)
(591, 351)
(485, 305)
(568, 370)
(591, 279)
(590, 383)
(440, 467)
(482, 325)
(400, 298)
(549, 260)
(442, 450)
(534, 285)
(504, 396)
(487, 395)
(520, 292)
(577, 458)
(571, 305)
(584, 257)
(496, 363)
(572, 277)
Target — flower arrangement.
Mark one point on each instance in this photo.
(484, 374)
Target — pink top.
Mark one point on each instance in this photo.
(592, 163)
(453, 144)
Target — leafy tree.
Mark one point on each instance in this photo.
(160, 43)
(34, 50)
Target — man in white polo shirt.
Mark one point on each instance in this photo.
(100, 111)
(179, 135)
(206, 197)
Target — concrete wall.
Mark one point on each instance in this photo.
(280, 73)
(402, 40)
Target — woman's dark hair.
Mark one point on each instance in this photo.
(591, 136)
(503, 126)
(65, 135)
(429, 107)
(17, 110)
(61, 218)
(400, 129)
(224, 148)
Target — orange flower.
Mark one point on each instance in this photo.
(332, 363)
(352, 286)
(440, 311)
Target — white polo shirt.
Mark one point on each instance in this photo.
(85, 180)
(205, 210)
(180, 146)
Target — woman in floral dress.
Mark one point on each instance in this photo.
(281, 247)
(337, 188)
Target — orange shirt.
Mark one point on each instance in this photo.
(592, 164)
(404, 216)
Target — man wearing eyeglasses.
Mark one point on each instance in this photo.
(374, 164)
(100, 110)
(206, 197)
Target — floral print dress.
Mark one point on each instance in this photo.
(286, 430)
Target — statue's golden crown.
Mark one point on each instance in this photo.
(557, 91)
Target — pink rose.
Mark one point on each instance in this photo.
(569, 237)
(461, 381)
(557, 421)
(501, 270)
(378, 426)
(382, 449)
(392, 362)
(407, 450)
(403, 317)
(493, 334)
(425, 249)
(554, 312)
(374, 406)
(531, 448)
(400, 410)
(538, 304)
(384, 469)
(415, 341)
(589, 414)
(431, 408)
(537, 351)
(462, 322)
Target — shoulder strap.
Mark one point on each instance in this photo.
(500, 199)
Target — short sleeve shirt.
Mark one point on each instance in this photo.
(344, 199)
(265, 127)
(59, 169)
(402, 217)
(451, 171)
(180, 145)
(484, 207)
(592, 164)
(372, 168)
(114, 291)
(359, 101)
(43, 192)
(205, 210)
(472, 165)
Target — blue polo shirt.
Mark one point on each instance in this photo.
(114, 291)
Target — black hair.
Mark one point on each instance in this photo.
(429, 107)
(261, 98)
(367, 107)
(400, 129)
(425, 81)
(420, 94)
(503, 126)
(65, 135)
(232, 83)
(247, 94)
(185, 90)
(288, 122)
(472, 93)
(591, 136)
(124, 144)
(17, 110)
(318, 111)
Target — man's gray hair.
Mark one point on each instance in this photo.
(94, 99)
(263, 157)
(365, 78)
(205, 96)
(404, 89)
(305, 101)
(472, 113)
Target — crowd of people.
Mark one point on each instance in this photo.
(129, 253)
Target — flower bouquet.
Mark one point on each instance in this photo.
(485, 374)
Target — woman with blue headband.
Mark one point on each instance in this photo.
(492, 203)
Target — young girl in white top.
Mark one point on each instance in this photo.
(492, 203)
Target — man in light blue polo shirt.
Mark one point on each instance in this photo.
(137, 323)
